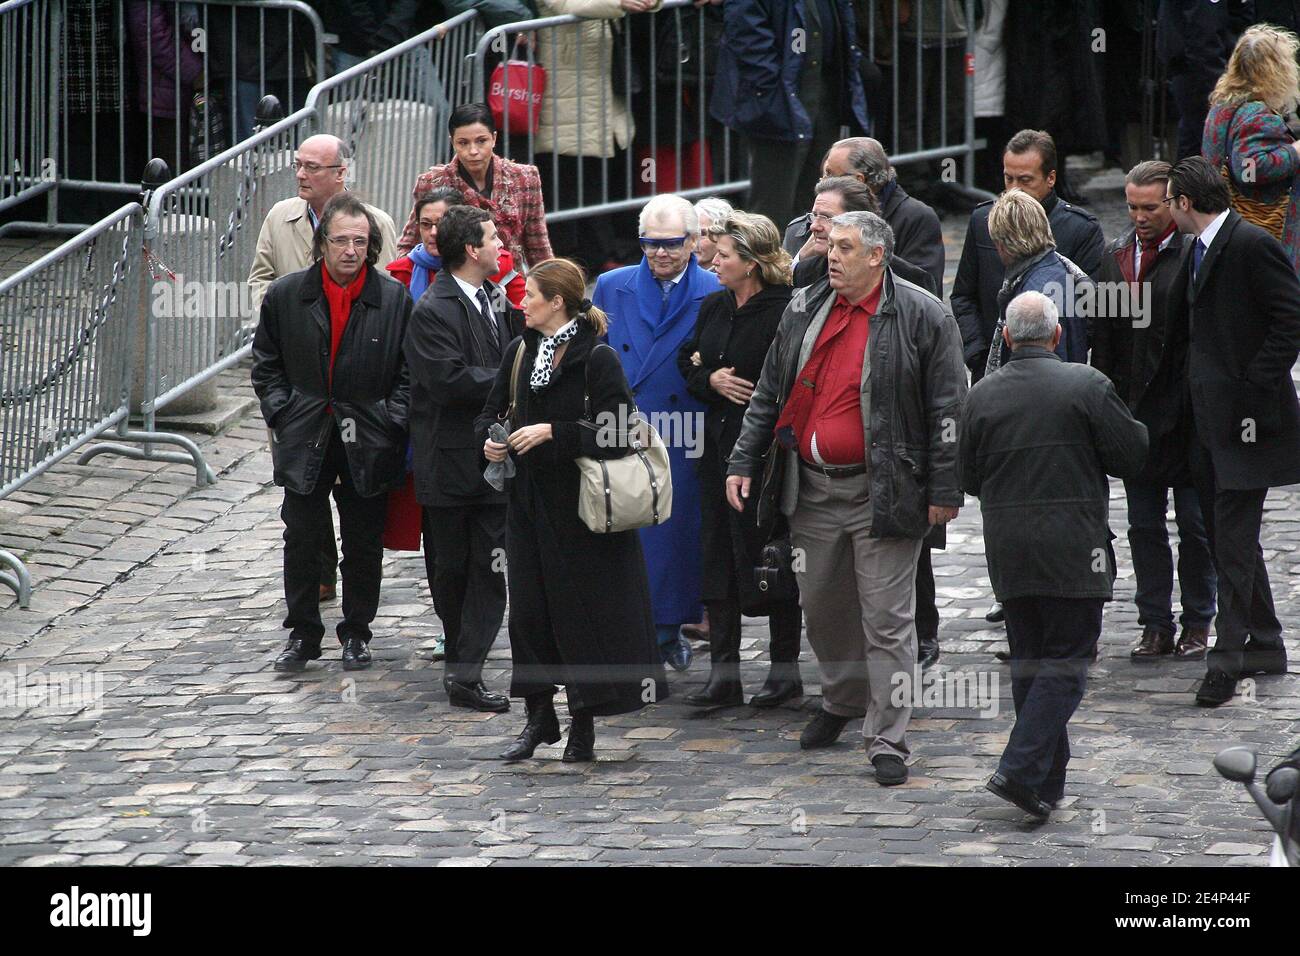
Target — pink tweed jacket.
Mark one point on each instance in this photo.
(515, 206)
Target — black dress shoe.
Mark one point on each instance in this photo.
(542, 727)
(295, 655)
(581, 747)
(822, 731)
(890, 770)
(476, 697)
(1020, 795)
(722, 690)
(777, 690)
(356, 654)
(995, 614)
(1216, 689)
(927, 654)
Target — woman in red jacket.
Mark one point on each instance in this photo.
(416, 269)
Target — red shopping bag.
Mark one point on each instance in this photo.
(515, 95)
(403, 523)
(696, 171)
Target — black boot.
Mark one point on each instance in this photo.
(542, 727)
(582, 739)
(783, 681)
(723, 688)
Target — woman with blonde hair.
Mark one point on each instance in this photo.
(1246, 135)
(579, 601)
(720, 364)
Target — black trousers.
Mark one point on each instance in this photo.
(469, 583)
(307, 520)
(783, 173)
(927, 614)
(1052, 641)
(1246, 612)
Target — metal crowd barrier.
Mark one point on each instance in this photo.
(117, 82)
(926, 57)
(67, 325)
(201, 227)
(200, 234)
(676, 147)
(392, 110)
(29, 32)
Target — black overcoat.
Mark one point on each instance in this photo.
(579, 601)
(727, 337)
(1241, 319)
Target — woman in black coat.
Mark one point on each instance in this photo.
(721, 363)
(579, 601)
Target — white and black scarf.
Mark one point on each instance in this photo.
(541, 376)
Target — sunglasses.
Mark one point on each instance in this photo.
(651, 245)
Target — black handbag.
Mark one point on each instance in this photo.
(774, 574)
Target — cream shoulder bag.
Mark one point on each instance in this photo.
(634, 491)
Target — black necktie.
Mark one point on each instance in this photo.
(1197, 255)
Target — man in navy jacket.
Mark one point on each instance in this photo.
(788, 78)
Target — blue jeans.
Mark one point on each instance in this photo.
(1153, 565)
(1051, 640)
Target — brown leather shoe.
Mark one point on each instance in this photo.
(327, 593)
(698, 632)
(1192, 644)
(1154, 644)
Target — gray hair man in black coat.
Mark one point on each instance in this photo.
(1037, 440)
(1237, 307)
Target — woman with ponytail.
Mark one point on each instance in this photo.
(579, 601)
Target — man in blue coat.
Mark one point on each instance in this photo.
(789, 78)
(652, 309)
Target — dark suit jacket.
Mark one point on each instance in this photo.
(453, 359)
(1241, 320)
(1134, 351)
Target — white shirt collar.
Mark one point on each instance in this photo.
(471, 291)
(1212, 230)
(1137, 247)
(678, 278)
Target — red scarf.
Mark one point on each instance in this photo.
(340, 299)
(790, 426)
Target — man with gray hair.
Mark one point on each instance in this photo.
(863, 466)
(918, 237)
(284, 246)
(1037, 442)
(652, 309)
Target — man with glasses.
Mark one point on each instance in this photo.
(329, 372)
(285, 245)
(652, 309)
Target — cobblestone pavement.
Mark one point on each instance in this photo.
(197, 752)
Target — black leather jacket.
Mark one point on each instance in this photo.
(918, 385)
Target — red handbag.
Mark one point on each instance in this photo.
(515, 95)
(404, 520)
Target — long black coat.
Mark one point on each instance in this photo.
(454, 359)
(579, 601)
(726, 337)
(1135, 353)
(367, 396)
(1242, 325)
(1037, 442)
(980, 272)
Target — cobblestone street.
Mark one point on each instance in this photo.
(198, 752)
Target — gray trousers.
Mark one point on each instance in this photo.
(859, 600)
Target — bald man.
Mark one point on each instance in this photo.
(284, 244)
(284, 247)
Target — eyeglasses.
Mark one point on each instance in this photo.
(651, 245)
(346, 242)
(824, 216)
(312, 168)
(1168, 199)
